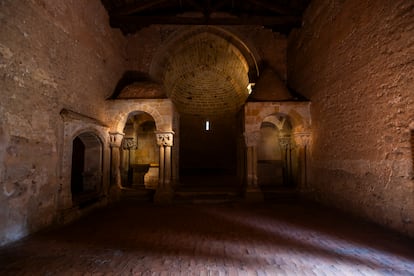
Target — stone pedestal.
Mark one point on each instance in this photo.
(138, 174)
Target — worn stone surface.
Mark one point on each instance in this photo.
(354, 60)
(53, 55)
(221, 239)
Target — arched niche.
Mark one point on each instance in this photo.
(276, 158)
(86, 172)
(139, 151)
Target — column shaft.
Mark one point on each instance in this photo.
(161, 180)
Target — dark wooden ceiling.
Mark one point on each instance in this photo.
(132, 15)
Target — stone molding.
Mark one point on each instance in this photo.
(69, 115)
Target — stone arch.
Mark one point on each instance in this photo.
(86, 167)
(294, 120)
(274, 157)
(122, 116)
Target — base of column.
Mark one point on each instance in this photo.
(254, 195)
(114, 193)
(163, 196)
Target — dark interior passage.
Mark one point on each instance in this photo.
(86, 172)
(78, 164)
(208, 152)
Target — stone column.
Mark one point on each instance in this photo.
(303, 141)
(129, 144)
(164, 192)
(253, 192)
(115, 141)
(285, 144)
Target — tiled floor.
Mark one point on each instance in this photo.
(212, 239)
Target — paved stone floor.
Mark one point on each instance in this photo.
(212, 239)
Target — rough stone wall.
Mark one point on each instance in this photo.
(354, 60)
(53, 55)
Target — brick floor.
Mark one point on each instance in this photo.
(212, 239)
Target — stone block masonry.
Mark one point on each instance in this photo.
(354, 61)
(53, 55)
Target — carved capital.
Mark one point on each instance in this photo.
(252, 138)
(129, 143)
(165, 138)
(115, 139)
(303, 138)
(285, 142)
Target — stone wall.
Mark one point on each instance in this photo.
(354, 60)
(53, 55)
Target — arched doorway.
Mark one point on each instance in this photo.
(139, 152)
(86, 172)
(276, 158)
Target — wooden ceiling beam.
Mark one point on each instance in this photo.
(273, 6)
(136, 7)
(195, 5)
(129, 20)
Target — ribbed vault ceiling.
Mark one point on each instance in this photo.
(206, 75)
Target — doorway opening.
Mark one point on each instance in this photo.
(140, 152)
(276, 157)
(86, 172)
(209, 155)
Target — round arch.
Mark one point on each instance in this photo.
(122, 117)
(139, 151)
(295, 119)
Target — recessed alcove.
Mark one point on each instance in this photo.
(86, 173)
(139, 152)
(209, 153)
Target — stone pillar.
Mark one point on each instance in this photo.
(115, 140)
(303, 141)
(129, 144)
(164, 192)
(285, 144)
(253, 192)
